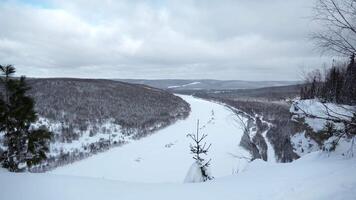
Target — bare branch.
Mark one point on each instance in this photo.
(338, 20)
(329, 118)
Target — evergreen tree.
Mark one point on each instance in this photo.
(334, 85)
(38, 141)
(350, 82)
(312, 90)
(25, 146)
(198, 149)
(309, 90)
(302, 93)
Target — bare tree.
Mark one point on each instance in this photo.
(244, 121)
(338, 19)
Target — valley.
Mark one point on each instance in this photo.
(154, 167)
(164, 156)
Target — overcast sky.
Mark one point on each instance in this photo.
(221, 39)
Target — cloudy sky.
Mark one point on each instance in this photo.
(221, 39)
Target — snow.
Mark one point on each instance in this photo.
(169, 148)
(178, 86)
(314, 176)
(303, 145)
(271, 155)
(322, 110)
(109, 126)
(315, 107)
(194, 174)
(124, 172)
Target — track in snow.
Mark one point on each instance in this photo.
(164, 156)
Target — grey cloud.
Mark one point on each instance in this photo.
(251, 40)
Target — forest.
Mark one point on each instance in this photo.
(93, 115)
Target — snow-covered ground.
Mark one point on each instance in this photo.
(312, 177)
(82, 143)
(165, 156)
(303, 145)
(125, 172)
(324, 111)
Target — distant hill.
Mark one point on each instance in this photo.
(207, 84)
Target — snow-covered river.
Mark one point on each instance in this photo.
(164, 156)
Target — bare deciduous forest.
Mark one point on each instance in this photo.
(71, 108)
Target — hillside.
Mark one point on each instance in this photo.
(84, 101)
(88, 116)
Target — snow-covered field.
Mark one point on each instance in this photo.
(155, 167)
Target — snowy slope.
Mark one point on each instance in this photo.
(164, 156)
(313, 177)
